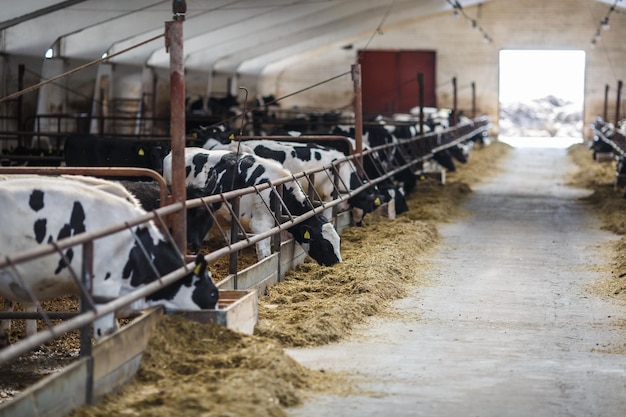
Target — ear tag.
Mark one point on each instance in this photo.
(231, 137)
(377, 201)
(197, 269)
(307, 235)
(141, 152)
(194, 135)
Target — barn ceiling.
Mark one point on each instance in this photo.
(220, 35)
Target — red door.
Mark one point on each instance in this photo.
(389, 80)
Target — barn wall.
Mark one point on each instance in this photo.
(461, 52)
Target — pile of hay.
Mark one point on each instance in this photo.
(193, 369)
(610, 205)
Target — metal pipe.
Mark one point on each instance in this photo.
(96, 172)
(174, 44)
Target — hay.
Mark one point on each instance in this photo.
(192, 369)
(610, 206)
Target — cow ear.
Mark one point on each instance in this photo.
(201, 266)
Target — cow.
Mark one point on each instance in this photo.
(48, 209)
(98, 151)
(300, 157)
(238, 170)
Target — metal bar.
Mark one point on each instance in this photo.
(174, 44)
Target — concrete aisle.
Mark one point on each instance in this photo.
(507, 328)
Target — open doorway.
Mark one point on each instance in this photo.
(541, 96)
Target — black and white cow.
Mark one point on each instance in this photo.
(37, 212)
(300, 157)
(235, 171)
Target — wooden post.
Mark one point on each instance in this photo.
(174, 43)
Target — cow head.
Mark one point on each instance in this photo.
(319, 239)
(366, 201)
(220, 132)
(196, 291)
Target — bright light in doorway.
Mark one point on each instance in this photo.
(541, 97)
(531, 74)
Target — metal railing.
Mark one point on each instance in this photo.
(411, 150)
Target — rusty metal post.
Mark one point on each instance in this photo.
(358, 113)
(473, 100)
(420, 86)
(453, 121)
(619, 98)
(605, 113)
(174, 43)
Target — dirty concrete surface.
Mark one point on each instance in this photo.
(508, 326)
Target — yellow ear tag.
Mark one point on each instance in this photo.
(377, 201)
(141, 152)
(307, 235)
(194, 135)
(198, 269)
(231, 137)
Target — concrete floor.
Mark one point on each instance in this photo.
(507, 328)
